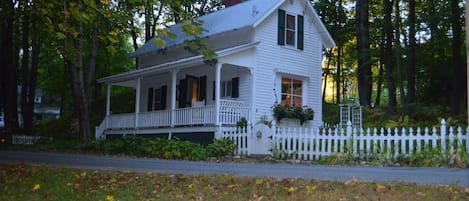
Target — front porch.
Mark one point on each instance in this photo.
(190, 119)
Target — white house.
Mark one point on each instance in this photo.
(268, 51)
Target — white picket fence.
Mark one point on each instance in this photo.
(239, 136)
(312, 144)
(24, 139)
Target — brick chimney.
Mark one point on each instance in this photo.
(229, 3)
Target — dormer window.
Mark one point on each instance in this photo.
(290, 29)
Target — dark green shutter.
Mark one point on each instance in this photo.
(182, 93)
(235, 87)
(213, 91)
(150, 99)
(202, 88)
(300, 33)
(281, 27)
(164, 90)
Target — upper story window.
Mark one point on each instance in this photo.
(290, 29)
(292, 92)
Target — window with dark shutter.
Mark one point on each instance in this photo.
(281, 27)
(182, 93)
(202, 88)
(164, 90)
(213, 91)
(300, 32)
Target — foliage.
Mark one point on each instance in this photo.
(242, 123)
(63, 128)
(21, 182)
(388, 156)
(264, 120)
(294, 112)
(279, 153)
(221, 147)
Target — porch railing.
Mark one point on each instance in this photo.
(154, 119)
(230, 113)
(194, 115)
(121, 121)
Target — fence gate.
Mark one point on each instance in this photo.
(260, 140)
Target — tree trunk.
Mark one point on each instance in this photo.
(364, 60)
(74, 62)
(397, 46)
(458, 69)
(148, 17)
(35, 50)
(411, 55)
(8, 66)
(338, 77)
(388, 58)
(26, 103)
(380, 72)
(90, 79)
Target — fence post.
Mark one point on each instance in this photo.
(443, 135)
(349, 135)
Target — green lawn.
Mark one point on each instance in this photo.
(22, 182)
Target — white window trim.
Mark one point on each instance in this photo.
(279, 74)
(295, 40)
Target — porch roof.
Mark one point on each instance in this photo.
(128, 78)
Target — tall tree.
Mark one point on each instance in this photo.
(397, 47)
(9, 64)
(458, 69)
(392, 103)
(411, 58)
(364, 60)
(30, 42)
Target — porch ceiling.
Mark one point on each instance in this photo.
(128, 78)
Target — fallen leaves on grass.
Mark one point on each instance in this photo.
(112, 186)
(36, 187)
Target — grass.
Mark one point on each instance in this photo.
(24, 182)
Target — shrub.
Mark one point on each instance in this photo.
(221, 147)
(175, 149)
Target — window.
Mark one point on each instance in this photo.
(226, 89)
(156, 98)
(292, 92)
(290, 29)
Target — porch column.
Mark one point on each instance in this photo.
(108, 104)
(173, 95)
(253, 95)
(137, 100)
(217, 93)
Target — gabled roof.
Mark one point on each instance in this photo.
(246, 14)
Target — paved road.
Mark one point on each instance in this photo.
(436, 176)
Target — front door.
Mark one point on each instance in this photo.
(192, 89)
